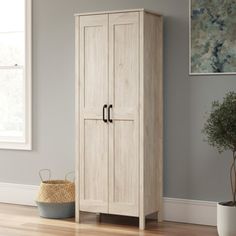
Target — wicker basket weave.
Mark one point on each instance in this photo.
(56, 191)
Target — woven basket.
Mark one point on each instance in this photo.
(56, 191)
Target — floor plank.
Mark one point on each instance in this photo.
(18, 220)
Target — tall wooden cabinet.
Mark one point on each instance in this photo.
(119, 124)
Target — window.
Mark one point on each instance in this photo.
(15, 74)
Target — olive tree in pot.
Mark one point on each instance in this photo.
(220, 130)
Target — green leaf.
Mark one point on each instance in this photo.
(220, 127)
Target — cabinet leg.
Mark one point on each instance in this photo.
(159, 216)
(142, 222)
(99, 217)
(77, 216)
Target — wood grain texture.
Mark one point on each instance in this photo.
(123, 191)
(24, 221)
(120, 63)
(93, 87)
(94, 167)
(123, 95)
(117, 11)
(77, 117)
(93, 62)
(141, 123)
(153, 114)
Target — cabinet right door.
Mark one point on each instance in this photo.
(124, 129)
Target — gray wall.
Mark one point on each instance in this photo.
(192, 169)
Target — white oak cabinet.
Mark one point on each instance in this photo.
(119, 113)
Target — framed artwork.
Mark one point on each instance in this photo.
(212, 37)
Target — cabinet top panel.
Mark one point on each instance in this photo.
(116, 11)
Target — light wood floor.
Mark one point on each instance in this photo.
(24, 221)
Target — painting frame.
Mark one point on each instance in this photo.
(190, 51)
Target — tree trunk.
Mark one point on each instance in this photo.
(233, 178)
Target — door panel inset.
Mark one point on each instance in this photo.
(95, 160)
(95, 67)
(125, 162)
(125, 66)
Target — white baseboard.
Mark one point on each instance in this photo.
(190, 211)
(18, 194)
(178, 210)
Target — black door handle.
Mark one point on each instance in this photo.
(103, 113)
(109, 113)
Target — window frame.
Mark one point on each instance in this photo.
(27, 145)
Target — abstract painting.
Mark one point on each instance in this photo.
(212, 37)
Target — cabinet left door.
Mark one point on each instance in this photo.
(93, 130)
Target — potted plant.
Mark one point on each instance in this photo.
(220, 130)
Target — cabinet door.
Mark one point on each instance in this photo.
(124, 97)
(93, 141)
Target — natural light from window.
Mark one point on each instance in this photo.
(14, 107)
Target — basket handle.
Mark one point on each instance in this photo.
(70, 173)
(43, 170)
